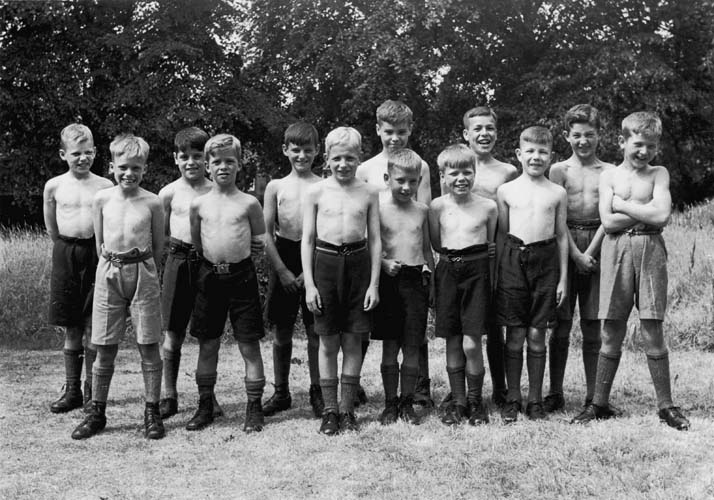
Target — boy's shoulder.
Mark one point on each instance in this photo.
(376, 163)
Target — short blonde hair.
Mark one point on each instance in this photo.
(343, 136)
(75, 132)
(406, 160)
(456, 156)
(222, 141)
(536, 134)
(642, 122)
(130, 146)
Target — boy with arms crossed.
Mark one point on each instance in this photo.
(129, 228)
(635, 204)
(179, 279)
(67, 207)
(341, 271)
(533, 268)
(407, 261)
(462, 226)
(580, 176)
(283, 211)
(395, 122)
(224, 221)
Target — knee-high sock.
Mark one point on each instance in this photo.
(409, 375)
(73, 367)
(606, 369)
(172, 362)
(206, 383)
(101, 379)
(281, 365)
(423, 361)
(558, 359)
(457, 381)
(475, 385)
(254, 388)
(350, 384)
(390, 380)
(329, 394)
(659, 371)
(89, 356)
(496, 354)
(152, 380)
(536, 371)
(514, 369)
(591, 353)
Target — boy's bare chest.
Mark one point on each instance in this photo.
(181, 202)
(487, 182)
(343, 205)
(74, 195)
(457, 218)
(290, 197)
(126, 216)
(582, 180)
(223, 214)
(633, 186)
(403, 226)
(533, 201)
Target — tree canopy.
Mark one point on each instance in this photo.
(251, 67)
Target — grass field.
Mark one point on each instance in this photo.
(635, 457)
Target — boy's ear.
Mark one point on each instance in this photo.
(566, 133)
(176, 158)
(285, 150)
(376, 127)
(111, 167)
(465, 134)
(62, 154)
(518, 153)
(386, 178)
(621, 141)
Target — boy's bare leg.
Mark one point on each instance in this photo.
(591, 349)
(351, 344)
(102, 373)
(536, 371)
(495, 351)
(313, 350)
(151, 368)
(329, 348)
(559, 345)
(173, 341)
(475, 372)
(515, 338)
(456, 370)
(390, 381)
(254, 384)
(73, 360)
(282, 353)
(206, 376)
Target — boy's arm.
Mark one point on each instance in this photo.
(502, 213)
(157, 230)
(434, 227)
(593, 248)
(195, 220)
(257, 224)
(424, 188)
(97, 206)
(561, 235)
(611, 222)
(491, 238)
(307, 249)
(374, 241)
(166, 195)
(270, 206)
(657, 211)
(49, 209)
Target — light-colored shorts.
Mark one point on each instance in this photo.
(633, 271)
(583, 288)
(126, 284)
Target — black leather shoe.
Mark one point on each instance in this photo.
(153, 425)
(535, 410)
(422, 393)
(509, 412)
(674, 418)
(217, 410)
(361, 398)
(498, 398)
(445, 404)
(204, 414)
(330, 423)
(93, 423)
(348, 422)
(168, 407)
(591, 413)
(71, 399)
(390, 413)
(253, 417)
(478, 413)
(406, 411)
(279, 401)
(455, 415)
(316, 400)
(553, 402)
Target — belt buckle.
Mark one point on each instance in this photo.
(116, 263)
(456, 258)
(222, 268)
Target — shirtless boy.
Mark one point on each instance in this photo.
(341, 271)
(179, 278)
(533, 267)
(283, 211)
(224, 222)
(67, 204)
(395, 122)
(404, 284)
(580, 176)
(635, 204)
(129, 229)
(462, 226)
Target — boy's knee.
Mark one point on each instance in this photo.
(250, 350)
(471, 346)
(329, 345)
(209, 347)
(173, 341)
(106, 355)
(150, 353)
(283, 336)
(562, 330)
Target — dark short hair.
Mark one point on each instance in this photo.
(190, 138)
(479, 111)
(537, 135)
(581, 113)
(301, 134)
(394, 112)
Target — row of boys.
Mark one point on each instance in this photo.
(321, 249)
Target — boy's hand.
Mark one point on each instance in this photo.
(257, 245)
(560, 294)
(300, 280)
(391, 267)
(313, 300)
(288, 280)
(618, 203)
(371, 298)
(584, 263)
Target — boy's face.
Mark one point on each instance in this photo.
(79, 156)
(481, 134)
(394, 136)
(535, 158)
(223, 166)
(639, 150)
(343, 161)
(300, 157)
(583, 139)
(191, 163)
(403, 185)
(458, 181)
(128, 172)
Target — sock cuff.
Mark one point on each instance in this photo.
(256, 383)
(328, 382)
(102, 370)
(90, 350)
(613, 357)
(513, 353)
(536, 354)
(410, 370)
(152, 367)
(455, 369)
(206, 379)
(478, 375)
(350, 379)
(73, 352)
(171, 355)
(386, 369)
(659, 357)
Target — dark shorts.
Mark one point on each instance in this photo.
(583, 288)
(527, 283)
(462, 292)
(74, 264)
(178, 291)
(281, 307)
(342, 277)
(233, 293)
(403, 307)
